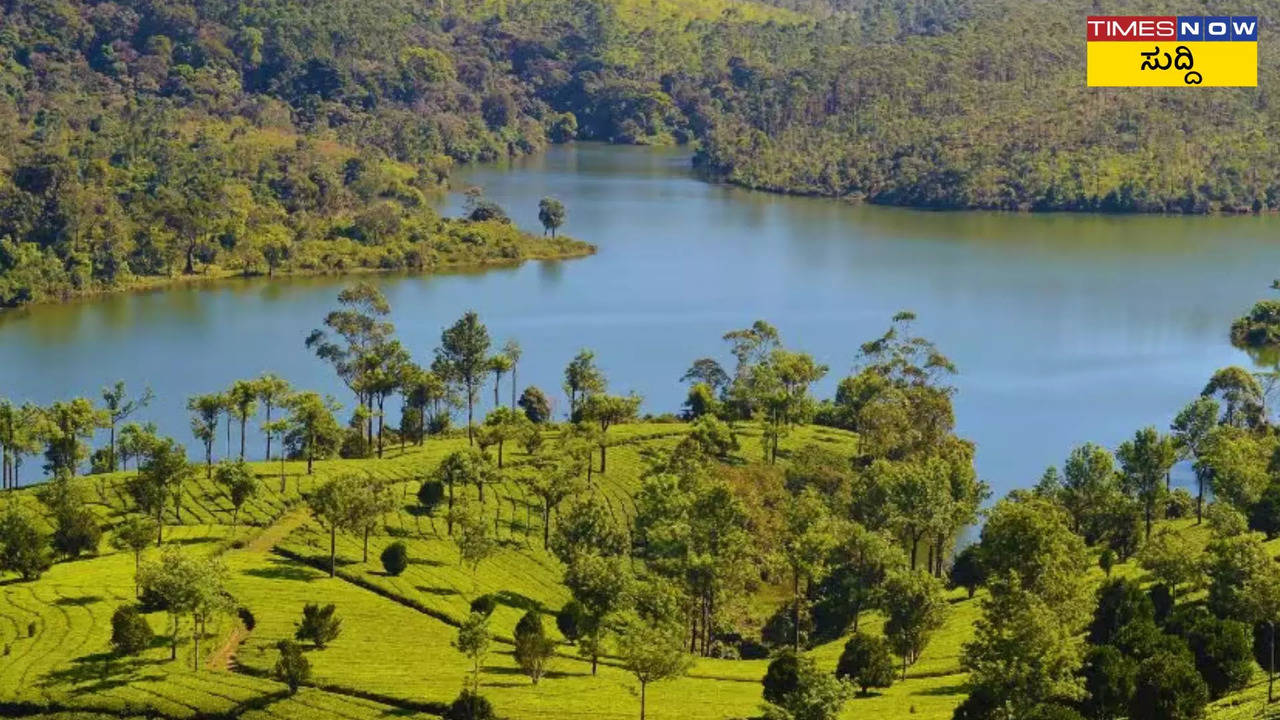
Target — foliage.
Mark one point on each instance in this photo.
(130, 631)
(1167, 687)
(805, 693)
(395, 558)
(866, 661)
(320, 625)
(24, 548)
(292, 668)
(533, 649)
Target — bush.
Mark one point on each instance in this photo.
(395, 558)
(782, 678)
(778, 630)
(1264, 515)
(535, 404)
(1223, 654)
(1168, 687)
(1179, 504)
(752, 649)
(430, 495)
(130, 631)
(1143, 639)
(866, 662)
(570, 621)
(1120, 602)
(1109, 677)
(1107, 560)
(533, 649)
(1053, 711)
(967, 570)
(320, 625)
(485, 605)
(1224, 520)
(470, 706)
(291, 668)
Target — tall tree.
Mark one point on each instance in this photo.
(463, 356)
(161, 477)
(119, 407)
(242, 404)
(312, 426)
(238, 483)
(273, 392)
(1144, 461)
(335, 506)
(499, 365)
(581, 379)
(551, 214)
(69, 427)
(513, 352)
(653, 653)
(607, 411)
(1243, 403)
(205, 412)
(808, 536)
(915, 608)
(355, 340)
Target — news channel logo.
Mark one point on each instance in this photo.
(1172, 51)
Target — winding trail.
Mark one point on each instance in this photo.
(224, 658)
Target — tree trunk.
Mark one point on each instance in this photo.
(268, 407)
(546, 525)
(795, 609)
(381, 402)
(366, 545)
(1271, 661)
(513, 386)
(333, 551)
(111, 452)
(173, 640)
(471, 394)
(643, 685)
(244, 421)
(602, 449)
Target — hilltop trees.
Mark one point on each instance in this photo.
(205, 412)
(118, 408)
(24, 547)
(607, 411)
(238, 483)
(1144, 462)
(187, 586)
(581, 379)
(533, 649)
(313, 430)
(160, 480)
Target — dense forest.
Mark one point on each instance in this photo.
(143, 140)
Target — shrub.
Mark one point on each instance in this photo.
(291, 668)
(320, 625)
(1224, 520)
(1264, 515)
(571, 620)
(1179, 504)
(130, 631)
(866, 662)
(813, 694)
(1161, 601)
(778, 629)
(1120, 602)
(1223, 654)
(535, 404)
(782, 678)
(1107, 560)
(430, 495)
(395, 558)
(967, 570)
(533, 649)
(485, 605)
(470, 706)
(1168, 687)
(1109, 677)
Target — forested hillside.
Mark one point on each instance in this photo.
(143, 139)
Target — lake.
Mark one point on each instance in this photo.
(1065, 328)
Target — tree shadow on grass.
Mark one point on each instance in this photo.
(517, 601)
(284, 570)
(78, 601)
(98, 672)
(425, 561)
(438, 591)
(942, 690)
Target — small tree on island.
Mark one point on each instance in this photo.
(551, 214)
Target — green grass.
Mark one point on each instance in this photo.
(395, 654)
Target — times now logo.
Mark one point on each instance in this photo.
(1171, 27)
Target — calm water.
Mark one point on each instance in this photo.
(1066, 328)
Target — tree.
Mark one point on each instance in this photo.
(1030, 539)
(24, 549)
(499, 365)
(600, 586)
(653, 654)
(779, 389)
(607, 411)
(135, 441)
(1191, 426)
(571, 620)
(69, 427)
(333, 505)
(1262, 588)
(1024, 652)
(807, 539)
(915, 608)
(238, 483)
(706, 371)
(242, 404)
(503, 425)
(533, 649)
(75, 527)
(1241, 397)
(187, 585)
(272, 391)
(395, 558)
(1167, 687)
(551, 214)
(587, 528)
(475, 544)
(205, 411)
(513, 352)
(1145, 461)
(803, 692)
(1109, 677)
(859, 565)
(473, 641)
(1223, 652)
(358, 344)
(535, 404)
(292, 668)
(161, 477)
(1233, 464)
(119, 407)
(21, 431)
(130, 631)
(470, 705)
(581, 379)
(463, 468)
(1233, 566)
(967, 570)
(133, 535)
(1169, 557)
(1121, 602)
(320, 625)
(1264, 515)
(312, 426)
(463, 356)
(1089, 485)
(867, 662)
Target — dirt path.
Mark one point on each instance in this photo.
(225, 656)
